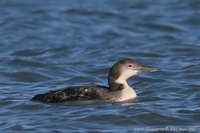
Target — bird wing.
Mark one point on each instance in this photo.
(73, 94)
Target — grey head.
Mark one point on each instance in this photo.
(124, 69)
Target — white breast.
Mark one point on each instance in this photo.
(127, 93)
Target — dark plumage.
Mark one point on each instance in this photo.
(73, 94)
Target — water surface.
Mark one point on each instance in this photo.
(50, 45)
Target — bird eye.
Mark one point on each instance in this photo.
(130, 65)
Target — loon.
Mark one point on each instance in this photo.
(118, 90)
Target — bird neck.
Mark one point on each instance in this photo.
(117, 84)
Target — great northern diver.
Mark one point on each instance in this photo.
(117, 91)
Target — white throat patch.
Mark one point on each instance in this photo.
(129, 73)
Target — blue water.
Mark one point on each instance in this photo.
(48, 45)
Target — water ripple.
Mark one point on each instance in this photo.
(70, 43)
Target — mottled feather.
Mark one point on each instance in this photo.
(73, 94)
